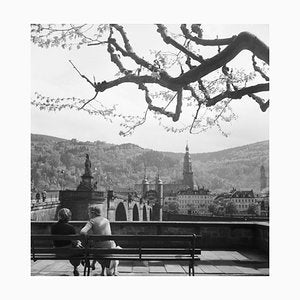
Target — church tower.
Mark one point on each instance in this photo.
(263, 178)
(188, 178)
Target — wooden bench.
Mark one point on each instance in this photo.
(42, 247)
(134, 248)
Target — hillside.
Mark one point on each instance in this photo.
(123, 165)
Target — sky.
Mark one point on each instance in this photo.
(52, 75)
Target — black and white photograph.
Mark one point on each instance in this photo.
(146, 154)
(143, 150)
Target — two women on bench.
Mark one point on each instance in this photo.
(96, 225)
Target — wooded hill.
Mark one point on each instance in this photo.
(59, 163)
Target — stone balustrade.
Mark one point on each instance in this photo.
(215, 235)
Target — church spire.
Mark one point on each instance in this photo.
(187, 147)
(263, 178)
(188, 178)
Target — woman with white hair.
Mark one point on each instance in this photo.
(101, 226)
(62, 227)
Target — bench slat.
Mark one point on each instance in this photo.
(116, 237)
(162, 251)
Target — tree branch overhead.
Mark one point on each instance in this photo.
(202, 82)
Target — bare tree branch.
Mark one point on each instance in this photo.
(89, 101)
(195, 117)
(263, 105)
(238, 94)
(258, 69)
(168, 40)
(243, 41)
(139, 123)
(175, 116)
(119, 47)
(115, 59)
(205, 42)
(129, 50)
(83, 76)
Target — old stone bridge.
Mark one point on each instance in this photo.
(115, 206)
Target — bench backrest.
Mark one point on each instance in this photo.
(131, 244)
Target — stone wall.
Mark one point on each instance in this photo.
(262, 238)
(215, 235)
(195, 218)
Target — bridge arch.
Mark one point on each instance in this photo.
(121, 212)
(135, 213)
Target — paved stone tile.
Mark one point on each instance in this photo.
(157, 269)
(253, 256)
(264, 271)
(185, 268)
(248, 270)
(239, 256)
(197, 269)
(167, 274)
(208, 255)
(40, 265)
(209, 269)
(56, 266)
(229, 269)
(224, 255)
(140, 269)
(174, 268)
(133, 274)
(56, 274)
(125, 269)
(140, 263)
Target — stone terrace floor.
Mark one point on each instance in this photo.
(228, 263)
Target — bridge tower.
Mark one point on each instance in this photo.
(145, 185)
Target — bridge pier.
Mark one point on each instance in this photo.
(129, 213)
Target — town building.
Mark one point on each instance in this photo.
(244, 200)
(194, 201)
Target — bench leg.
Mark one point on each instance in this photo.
(86, 270)
(191, 269)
